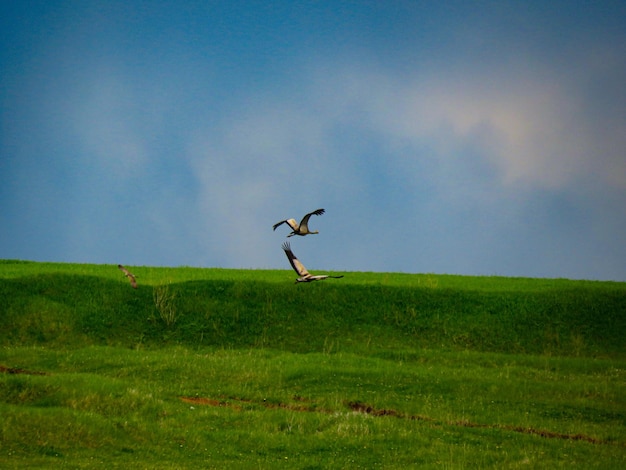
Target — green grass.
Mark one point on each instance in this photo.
(244, 369)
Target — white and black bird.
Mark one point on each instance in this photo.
(302, 228)
(299, 268)
(129, 275)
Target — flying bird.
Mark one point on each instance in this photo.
(129, 275)
(299, 268)
(303, 227)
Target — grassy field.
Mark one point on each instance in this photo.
(215, 368)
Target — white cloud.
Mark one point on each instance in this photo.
(533, 127)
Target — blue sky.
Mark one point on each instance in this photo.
(478, 138)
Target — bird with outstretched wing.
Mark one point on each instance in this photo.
(300, 270)
(301, 228)
(129, 275)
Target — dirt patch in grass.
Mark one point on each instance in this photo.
(305, 405)
(15, 370)
(364, 408)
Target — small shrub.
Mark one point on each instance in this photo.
(164, 303)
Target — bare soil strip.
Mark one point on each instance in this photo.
(359, 407)
(15, 370)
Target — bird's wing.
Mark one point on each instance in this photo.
(321, 277)
(304, 224)
(291, 222)
(279, 223)
(297, 266)
(129, 275)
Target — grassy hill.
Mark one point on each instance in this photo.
(73, 305)
(375, 369)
